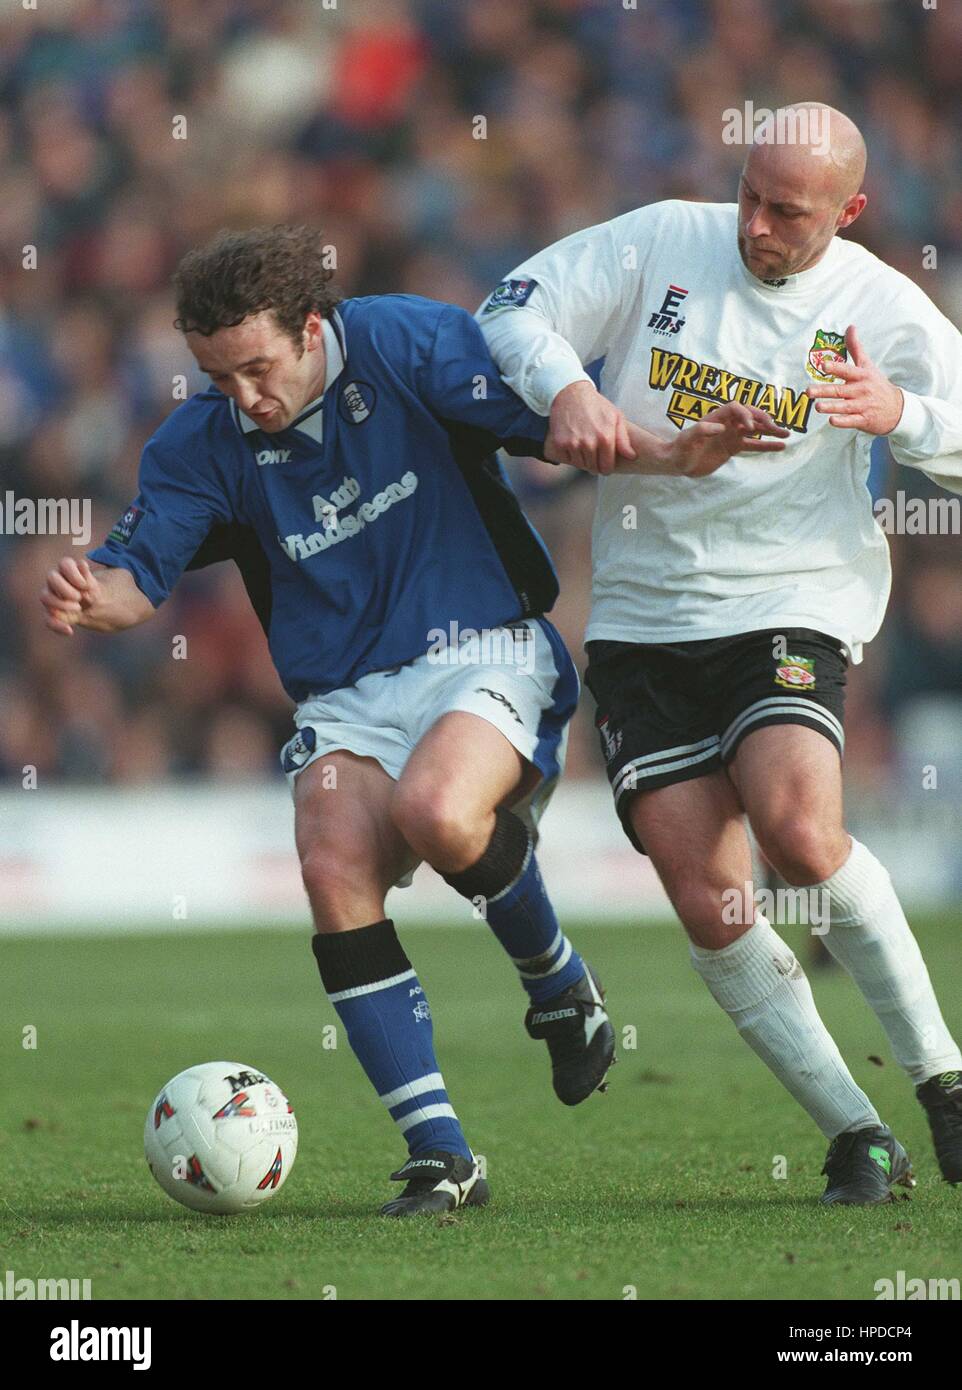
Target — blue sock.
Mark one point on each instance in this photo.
(385, 1013)
(518, 910)
(523, 920)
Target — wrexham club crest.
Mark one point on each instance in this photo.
(796, 672)
(826, 349)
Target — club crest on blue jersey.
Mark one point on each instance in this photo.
(124, 529)
(299, 749)
(510, 294)
(356, 402)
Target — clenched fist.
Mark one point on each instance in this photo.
(71, 590)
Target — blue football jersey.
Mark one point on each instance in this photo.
(378, 515)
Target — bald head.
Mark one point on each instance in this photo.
(801, 184)
(814, 145)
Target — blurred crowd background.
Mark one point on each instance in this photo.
(359, 116)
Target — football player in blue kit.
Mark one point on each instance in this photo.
(344, 457)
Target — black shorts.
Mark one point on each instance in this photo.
(671, 712)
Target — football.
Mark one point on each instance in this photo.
(220, 1138)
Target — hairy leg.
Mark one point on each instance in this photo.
(452, 806)
(695, 835)
(797, 816)
(351, 852)
(350, 849)
(459, 774)
(789, 779)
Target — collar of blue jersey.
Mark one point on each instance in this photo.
(310, 420)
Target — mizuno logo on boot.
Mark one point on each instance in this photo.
(557, 1013)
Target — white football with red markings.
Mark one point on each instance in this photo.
(220, 1137)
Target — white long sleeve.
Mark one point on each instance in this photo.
(558, 311)
(534, 360)
(925, 359)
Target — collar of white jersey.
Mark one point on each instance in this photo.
(310, 420)
(802, 283)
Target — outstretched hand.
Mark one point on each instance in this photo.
(730, 429)
(864, 398)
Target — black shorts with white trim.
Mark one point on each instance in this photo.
(668, 712)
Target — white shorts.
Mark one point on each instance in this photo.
(520, 678)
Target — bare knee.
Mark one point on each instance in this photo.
(802, 850)
(439, 827)
(712, 913)
(339, 891)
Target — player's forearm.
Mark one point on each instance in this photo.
(652, 455)
(119, 603)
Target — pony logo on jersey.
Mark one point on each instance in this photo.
(796, 671)
(826, 349)
(357, 402)
(510, 294)
(268, 456)
(665, 319)
(124, 529)
(299, 749)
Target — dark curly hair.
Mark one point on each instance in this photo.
(241, 273)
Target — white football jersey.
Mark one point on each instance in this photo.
(771, 540)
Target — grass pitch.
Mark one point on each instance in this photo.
(664, 1188)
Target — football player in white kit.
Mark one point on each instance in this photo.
(726, 608)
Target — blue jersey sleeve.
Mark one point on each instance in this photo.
(161, 532)
(460, 382)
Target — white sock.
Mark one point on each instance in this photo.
(871, 938)
(763, 989)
